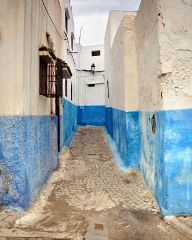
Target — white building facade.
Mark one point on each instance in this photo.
(69, 100)
(34, 58)
(91, 85)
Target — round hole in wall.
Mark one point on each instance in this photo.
(153, 124)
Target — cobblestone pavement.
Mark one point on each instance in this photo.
(88, 198)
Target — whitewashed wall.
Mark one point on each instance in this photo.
(163, 30)
(91, 96)
(114, 21)
(148, 52)
(69, 54)
(11, 57)
(175, 35)
(28, 140)
(120, 61)
(34, 38)
(28, 26)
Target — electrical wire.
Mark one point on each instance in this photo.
(64, 39)
(53, 22)
(88, 70)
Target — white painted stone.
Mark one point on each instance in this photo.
(11, 56)
(23, 31)
(175, 33)
(164, 53)
(121, 64)
(148, 56)
(87, 95)
(69, 54)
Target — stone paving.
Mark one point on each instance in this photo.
(88, 198)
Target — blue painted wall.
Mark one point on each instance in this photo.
(91, 115)
(164, 157)
(123, 128)
(69, 121)
(74, 116)
(166, 161)
(178, 161)
(28, 155)
(109, 120)
(151, 162)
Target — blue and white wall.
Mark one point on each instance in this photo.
(150, 100)
(122, 116)
(91, 87)
(154, 109)
(28, 143)
(69, 101)
(85, 104)
(165, 92)
(69, 109)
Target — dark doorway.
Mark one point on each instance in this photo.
(57, 109)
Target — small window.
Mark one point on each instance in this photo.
(96, 53)
(91, 85)
(107, 89)
(72, 41)
(153, 124)
(71, 92)
(65, 87)
(66, 21)
(47, 78)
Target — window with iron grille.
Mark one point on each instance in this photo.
(51, 74)
(47, 79)
(51, 80)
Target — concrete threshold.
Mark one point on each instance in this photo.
(95, 237)
(179, 226)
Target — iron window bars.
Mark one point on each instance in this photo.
(52, 70)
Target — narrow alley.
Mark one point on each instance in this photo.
(95, 119)
(89, 198)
